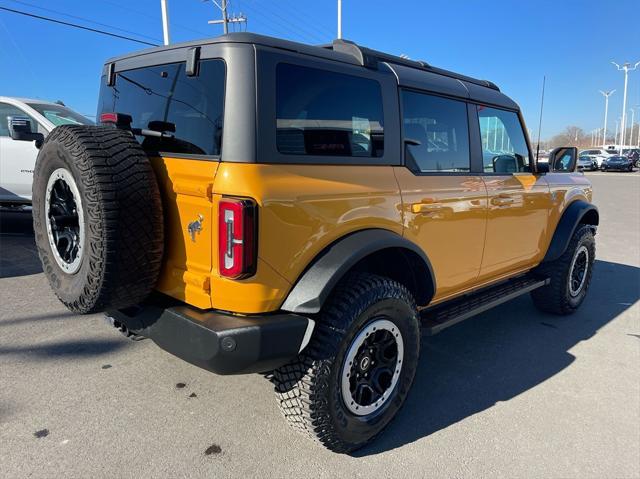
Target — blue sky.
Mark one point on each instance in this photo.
(511, 42)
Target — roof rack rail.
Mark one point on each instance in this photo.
(370, 59)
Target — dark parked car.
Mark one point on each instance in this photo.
(587, 163)
(618, 163)
(634, 155)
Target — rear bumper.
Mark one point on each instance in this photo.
(220, 342)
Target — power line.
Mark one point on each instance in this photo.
(289, 27)
(317, 27)
(81, 18)
(74, 25)
(285, 21)
(147, 15)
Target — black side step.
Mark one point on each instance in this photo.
(441, 316)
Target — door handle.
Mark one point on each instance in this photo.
(501, 200)
(425, 207)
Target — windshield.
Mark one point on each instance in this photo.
(164, 93)
(60, 115)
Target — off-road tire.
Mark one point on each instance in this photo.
(308, 390)
(122, 214)
(556, 298)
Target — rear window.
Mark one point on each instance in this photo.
(325, 113)
(195, 105)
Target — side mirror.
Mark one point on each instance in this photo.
(20, 130)
(505, 164)
(564, 159)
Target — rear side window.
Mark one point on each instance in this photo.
(436, 132)
(325, 113)
(504, 148)
(164, 93)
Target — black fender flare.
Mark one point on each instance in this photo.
(578, 212)
(316, 283)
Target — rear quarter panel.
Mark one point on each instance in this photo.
(302, 210)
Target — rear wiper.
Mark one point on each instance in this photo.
(152, 133)
(155, 128)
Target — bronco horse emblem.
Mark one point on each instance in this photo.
(195, 227)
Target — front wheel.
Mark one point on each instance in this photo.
(569, 275)
(357, 371)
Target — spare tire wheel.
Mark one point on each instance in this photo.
(97, 217)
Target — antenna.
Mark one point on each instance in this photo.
(544, 81)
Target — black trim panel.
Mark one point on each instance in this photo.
(218, 342)
(567, 225)
(314, 286)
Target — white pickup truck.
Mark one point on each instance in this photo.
(17, 158)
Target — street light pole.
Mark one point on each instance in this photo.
(339, 19)
(615, 138)
(165, 21)
(633, 115)
(638, 139)
(606, 94)
(626, 68)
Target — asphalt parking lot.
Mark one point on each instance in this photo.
(510, 393)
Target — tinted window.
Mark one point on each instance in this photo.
(165, 93)
(60, 115)
(439, 128)
(504, 148)
(327, 114)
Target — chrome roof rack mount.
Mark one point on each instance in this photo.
(370, 59)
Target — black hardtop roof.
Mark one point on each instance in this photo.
(409, 73)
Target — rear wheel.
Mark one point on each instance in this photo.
(569, 275)
(357, 371)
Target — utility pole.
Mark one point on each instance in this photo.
(339, 19)
(606, 94)
(626, 69)
(165, 21)
(225, 16)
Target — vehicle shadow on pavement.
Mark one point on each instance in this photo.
(66, 349)
(38, 318)
(18, 254)
(500, 354)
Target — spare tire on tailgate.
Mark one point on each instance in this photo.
(97, 217)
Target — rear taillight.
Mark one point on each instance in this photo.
(237, 238)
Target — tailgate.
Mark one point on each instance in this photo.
(186, 187)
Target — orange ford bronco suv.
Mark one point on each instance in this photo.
(258, 205)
